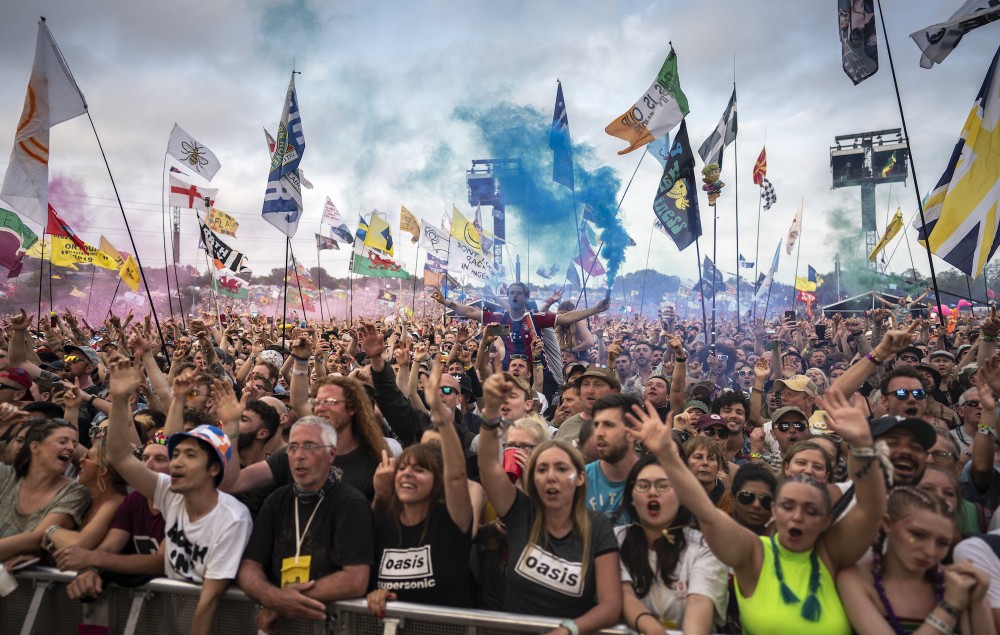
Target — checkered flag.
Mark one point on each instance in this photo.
(767, 193)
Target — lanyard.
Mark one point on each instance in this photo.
(300, 537)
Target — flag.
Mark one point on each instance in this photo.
(891, 163)
(746, 264)
(378, 235)
(660, 149)
(662, 107)
(283, 196)
(15, 239)
(231, 287)
(271, 143)
(217, 249)
(52, 98)
(937, 41)
(465, 232)
(573, 277)
(587, 259)
(369, 262)
(190, 196)
(408, 223)
(331, 215)
(588, 214)
(76, 293)
(61, 252)
(676, 202)
(560, 142)
(765, 284)
(343, 233)
(891, 230)
(760, 167)
(362, 232)
(961, 212)
(465, 252)
(543, 273)
(714, 147)
(760, 280)
(711, 278)
(794, 230)
(325, 242)
(805, 296)
(192, 154)
(805, 284)
(434, 271)
(58, 227)
(435, 241)
(109, 250)
(129, 273)
(222, 223)
(768, 195)
(858, 40)
(387, 296)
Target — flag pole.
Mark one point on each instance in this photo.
(41, 275)
(284, 295)
(715, 267)
(113, 296)
(913, 167)
(163, 226)
(601, 246)
(319, 287)
(649, 248)
(298, 284)
(736, 177)
(177, 282)
(798, 250)
(701, 286)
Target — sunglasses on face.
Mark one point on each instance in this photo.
(745, 371)
(908, 358)
(785, 426)
(519, 356)
(448, 390)
(972, 403)
(98, 432)
(71, 359)
(747, 498)
(902, 394)
(661, 485)
(722, 433)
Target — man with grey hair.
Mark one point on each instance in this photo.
(971, 411)
(312, 540)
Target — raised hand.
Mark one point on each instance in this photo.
(227, 408)
(495, 391)
(657, 437)
(437, 407)
(301, 347)
(125, 378)
(991, 324)
(762, 369)
(372, 342)
(20, 322)
(895, 341)
(846, 417)
(385, 476)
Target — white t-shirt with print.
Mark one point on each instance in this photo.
(210, 548)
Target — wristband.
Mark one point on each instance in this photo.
(300, 360)
(680, 359)
(989, 338)
(938, 624)
(570, 626)
(949, 609)
(875, 360)
(984, 428)
(491, 424)
(635, 624)
(755, 455)
(301, 373)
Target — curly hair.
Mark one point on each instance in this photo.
(364, 426)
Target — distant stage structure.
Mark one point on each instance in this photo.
(496, 183)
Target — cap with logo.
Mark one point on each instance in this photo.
(709, 420)
(520, 383)
(209, 437)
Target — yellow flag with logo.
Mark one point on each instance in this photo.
(465, 232)
(221, 222)
(61, 252)
(379, 235)
(130, 273)
(408, 223)
(891, 230)
(109, 249)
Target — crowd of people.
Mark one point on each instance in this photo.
(835, 474)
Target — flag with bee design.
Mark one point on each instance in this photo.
(191, 154)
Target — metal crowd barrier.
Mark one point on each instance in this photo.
(40, 606)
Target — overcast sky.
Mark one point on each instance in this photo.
(382, 84)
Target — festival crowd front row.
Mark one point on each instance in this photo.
(559, 463)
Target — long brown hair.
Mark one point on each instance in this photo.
(581, 520)
(429, 458)
(363, 423)
(37, 433)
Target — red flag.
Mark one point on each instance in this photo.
(590, 261)
(760, 168)
(58, 227)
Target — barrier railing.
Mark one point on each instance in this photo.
(41, 606)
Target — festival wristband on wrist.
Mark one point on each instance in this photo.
(949, 609)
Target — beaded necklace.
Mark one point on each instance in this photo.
(811, 608)
(890, 614)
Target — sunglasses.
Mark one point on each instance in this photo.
(909, 358)
(661, 485)
(747, 498)
(902, 393)
(98, 432)
(942, 455)
(519, 356)
(722, 433)
(448, 390)
(72, 359)
(745, 371)
(785, 426)
(972, 403)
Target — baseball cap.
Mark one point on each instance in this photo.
(209, 436)
(798, 383)
(781, 412)
(464, 384)
(911, 349)
(923, 430)
(520, 383)
(86, 351)
(601, 372)
(941, 353)
(709, 420)
(20, 377)
(572, 367)
(694, 403)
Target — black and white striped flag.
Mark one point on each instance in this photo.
(724, 134)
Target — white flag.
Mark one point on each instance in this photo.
(192, 154)
(189, 196)
(794, 230)
(331, 215)
(52, 98)
(938, 40)
(435, 241)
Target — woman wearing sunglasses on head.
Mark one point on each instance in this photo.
(799, 562)
(904, 588)
(669, 576)
(563, 557)
(423, 536)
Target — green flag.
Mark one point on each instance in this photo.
(10, 220)
(231, 288)
(368, 262)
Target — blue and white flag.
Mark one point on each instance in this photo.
(746, 264)
(283, 197)
(660, 149)
(560, 142)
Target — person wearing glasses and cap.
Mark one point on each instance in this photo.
(206, 530)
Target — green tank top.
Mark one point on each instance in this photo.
(764, 613)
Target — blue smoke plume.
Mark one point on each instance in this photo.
(512, 131)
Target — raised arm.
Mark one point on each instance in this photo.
(582, 314)
(456, 488)
(125, 380)
(298, 387)
(849, 538)
(470, 312)
(892, 342)
(678, 377)
(499, 489)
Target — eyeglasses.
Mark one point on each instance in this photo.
(194, 393)
(785, 426)
(747, 498)
(909, 358)
(448, 390)
(745, 371)
(98, 432)
(722, 433)
(330, 403)
(972, 403)
(902, 393)
(527, 447)
(662, 485)
(308, 448)
(942, 455)
(72, 359)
